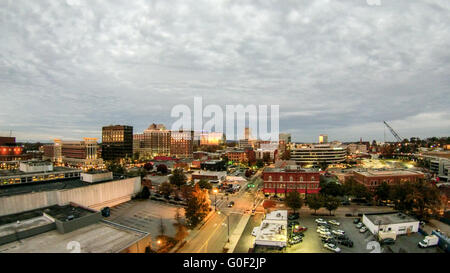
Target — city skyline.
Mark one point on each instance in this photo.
(71, 67)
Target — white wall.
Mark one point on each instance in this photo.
(95, 196)
(399, 229)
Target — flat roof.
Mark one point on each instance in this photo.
(24, 225)
(288, 170)
(273, 230)
(373, 173)
(51, 185)
(390, 218)
(55, 170)
(101, 237)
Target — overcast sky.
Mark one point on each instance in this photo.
(67, 68)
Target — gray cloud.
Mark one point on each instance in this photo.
(337, 67)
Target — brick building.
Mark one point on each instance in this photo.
(280, 181)
(373, 178)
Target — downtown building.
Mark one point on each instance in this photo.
(117, 142)
(374, 178)
(280, 181)
(182, 143)
(74, 153)
(315, 154)
(10, 151)
(154, 141)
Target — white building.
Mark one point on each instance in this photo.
(273, 230)
(390, 224)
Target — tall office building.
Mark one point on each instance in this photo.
(155, 141)
(117, 142)
(181, 143)
(323, 139)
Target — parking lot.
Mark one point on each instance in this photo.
(146, 215)
(362, 242)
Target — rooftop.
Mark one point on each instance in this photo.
(18, 172)
(390, 218)
(273, 230)
(288, 170)
(46, 186)
(373, 173)
(101, 237)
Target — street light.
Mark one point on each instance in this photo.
(215, 198)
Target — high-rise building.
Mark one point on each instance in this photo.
(323, 139)
(155, 141)
(117, 142)
(181, 143)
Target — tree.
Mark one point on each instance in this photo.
(185, 191)
(181, 231)
(148, 166)
(382, 192)
(115, 167)
(266, 157)
(294, 200)
(331, 188)
(331, 203)
(162, 168)
(259, 163)
(315, 202)
(204, 184)
(166, 189)
(178, 178)
(198, 206)
(145, 194)
(248, 173)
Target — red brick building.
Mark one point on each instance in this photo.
(10, 151)
(282, 181)
(373, 179)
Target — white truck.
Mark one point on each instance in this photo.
(430, 240)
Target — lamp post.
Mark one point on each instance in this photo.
(215, 199)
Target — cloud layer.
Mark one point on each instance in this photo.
(337, 67)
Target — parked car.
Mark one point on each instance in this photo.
(326, 237)
(387, 241)
(338, 232)
(332, 247)
(293, 241)
(293, 223)
(356, 221)
(363, 229)
(324, 233)
(293, 216)
(334, 223)
(324, 225)
(348, 243)
(320, 221)
(330, 241)
(231, 204)
(342, 237)
(298, 229)
(359, 225)
(322, 229)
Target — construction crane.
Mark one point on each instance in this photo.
(399, 139)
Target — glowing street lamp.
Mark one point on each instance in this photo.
(215, 191)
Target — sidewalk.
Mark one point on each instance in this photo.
(237, 233)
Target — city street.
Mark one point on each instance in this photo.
(213, 235)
